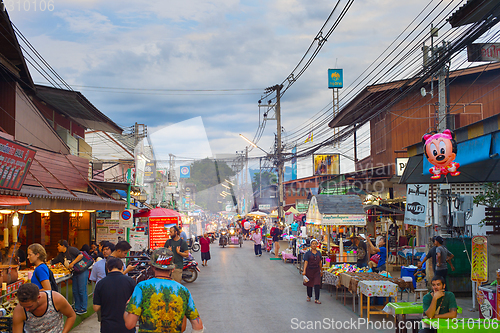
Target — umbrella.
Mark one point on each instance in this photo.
(257, 213)
(159, 212)
(293, 211)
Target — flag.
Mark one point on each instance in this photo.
(309, 138)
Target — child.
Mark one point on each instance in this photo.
(420, 276)
(205, 249)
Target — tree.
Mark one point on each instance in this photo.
(268, 178)
(490, 198)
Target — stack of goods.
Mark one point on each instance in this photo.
(344, 268)
(9, 306)
(59, 270)
(363, 276)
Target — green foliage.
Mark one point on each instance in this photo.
(268, 178)
(490, 197)
(208, 173)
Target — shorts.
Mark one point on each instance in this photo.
(177, 275)
(205, 256)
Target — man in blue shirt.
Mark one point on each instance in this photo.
(99, 268)
(381, 250)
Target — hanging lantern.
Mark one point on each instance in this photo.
(441, 150)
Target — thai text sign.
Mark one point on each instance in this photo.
(341, 219)
(335, 78)
(15, 162)
(483, 52)
(416, 204)
(159, 230)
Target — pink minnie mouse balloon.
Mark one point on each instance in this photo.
(441, 150)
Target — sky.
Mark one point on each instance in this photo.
(194, 70)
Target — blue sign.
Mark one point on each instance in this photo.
(335, 78)
(185, 172)
(294, 163)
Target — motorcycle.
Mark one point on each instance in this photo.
(193, 245)
(190, 269)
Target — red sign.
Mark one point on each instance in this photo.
(159, 230)
(15, 162)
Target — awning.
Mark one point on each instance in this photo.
(10, 200)
(62, 199)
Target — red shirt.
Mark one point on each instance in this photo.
(205, 244)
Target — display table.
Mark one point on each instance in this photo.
(60, 278)
(401, 309)
(375, 288)
(464, 325)
(288, 256)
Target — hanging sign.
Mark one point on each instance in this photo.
(417, 197)
(15, 162)
(441, 151)
(479, 268)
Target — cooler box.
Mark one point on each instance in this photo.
(409, 271)
(487, 302)
(235, 240)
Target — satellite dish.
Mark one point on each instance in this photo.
(423, 92)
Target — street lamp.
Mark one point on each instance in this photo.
(142, 197)
(154, 202)
(253, 144)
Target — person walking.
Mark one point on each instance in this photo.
(313, 271)
(275, 234)
(161, 304)
(41, 311)
(111, 296)
(257, 239)
(180, 249)
(205, 249)
(37, 257)
(69, 256)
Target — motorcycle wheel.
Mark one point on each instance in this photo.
(196, 247)
(190, 275)
(240, 244)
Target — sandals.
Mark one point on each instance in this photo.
(317, 301)
(308, 299)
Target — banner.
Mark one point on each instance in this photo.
(326, 164)
(150, 172)
(15, 162)
(417, 198)
(294, 163)
(109, 230)
(159, 230)
(479, 269)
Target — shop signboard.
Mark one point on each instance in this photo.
(15, 162)
(185, 171)
(326, 164)
(417, 197)
(401, 163)
(150, 172)
(344, 219)
(109, 230)
(159, 230)
(335, 78)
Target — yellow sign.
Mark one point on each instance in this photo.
(479, 269)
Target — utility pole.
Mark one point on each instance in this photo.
(277, 88)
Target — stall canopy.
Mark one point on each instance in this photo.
(9, 200)
(257, 214)
(293, 211)
(158, 212)
(336, 210)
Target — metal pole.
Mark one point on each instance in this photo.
(260, 177)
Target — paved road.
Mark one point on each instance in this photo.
(239, 292)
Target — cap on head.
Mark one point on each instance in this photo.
(163, 258)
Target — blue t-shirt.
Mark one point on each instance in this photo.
(295, 226)
(161, 305)
(40, 274)
(98, 271)
(383, 254)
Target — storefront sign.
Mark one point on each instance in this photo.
(335, 78)
(150, 172)
(401, 163)
(15, 162)
(326, 164)
(417, 197)
(138, 239)
(159, 230)
(483, 52)
(264, 207)
(109, 230)
(339, 219)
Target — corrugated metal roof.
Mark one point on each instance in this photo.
(340, 204)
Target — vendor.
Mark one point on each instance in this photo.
(381, 250)
(439, 303)
(361, 251)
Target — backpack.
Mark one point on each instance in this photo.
(52, 280)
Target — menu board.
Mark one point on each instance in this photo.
(15, 162)
(159, 230)
(138, 238)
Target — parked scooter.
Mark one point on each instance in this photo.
(190, 269)
(193, 244)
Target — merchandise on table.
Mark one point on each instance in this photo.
(342, 268)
